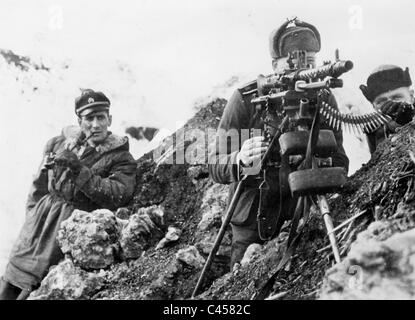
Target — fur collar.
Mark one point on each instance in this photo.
(72, 134)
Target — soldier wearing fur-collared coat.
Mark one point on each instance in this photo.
(389, 89)
(105, 177)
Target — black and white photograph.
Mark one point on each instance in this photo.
(212, 153)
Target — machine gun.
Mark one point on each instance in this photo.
(302, 98)
(295, 84)
(292, 105)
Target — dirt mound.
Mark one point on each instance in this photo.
(381, 191)
(187, 195)
(375, 268)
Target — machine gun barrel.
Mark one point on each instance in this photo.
(335, 70)
(265, 84)
(300, 85)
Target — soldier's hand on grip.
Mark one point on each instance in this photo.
(252, 150)
(401, 112)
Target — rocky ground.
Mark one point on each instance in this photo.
(155, 248)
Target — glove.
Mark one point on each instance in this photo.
(68, 159)
(401, 112)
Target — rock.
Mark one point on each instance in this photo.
(403, 209)
(164, 284)
(236, 267)
(155, 213)
(90, 238)
(401, 242)
(191, 257)
(378, 212)
(122, 223)
(369, 254)
(403, 247)
(375, 269)
(213, 206)
(378, 230)
(205, 245)
(210, 219)
(394, 139)
(197, 172)
(68, 282)
(141, 228)
(172, 235)
(251, 253)
(123, 213)
(117, 271)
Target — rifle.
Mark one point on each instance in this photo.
(299, 96)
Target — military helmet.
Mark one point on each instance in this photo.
(294, 35)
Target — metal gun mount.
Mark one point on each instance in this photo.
(300, 95)
(299, 86)
(303, 84)
(288, 80)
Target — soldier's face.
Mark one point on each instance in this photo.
(96, 124)
(281, 64)
(403, 94)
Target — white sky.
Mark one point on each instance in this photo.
(176, 51)
(209, 33)
(188, 46)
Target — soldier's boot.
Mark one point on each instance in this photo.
(8, 291)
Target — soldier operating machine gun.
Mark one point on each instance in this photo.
(298, 156)
(301, 146)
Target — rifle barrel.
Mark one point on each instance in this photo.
(335, 70)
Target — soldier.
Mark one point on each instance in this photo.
(388, 89)
(91, 168)
(227, 161)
